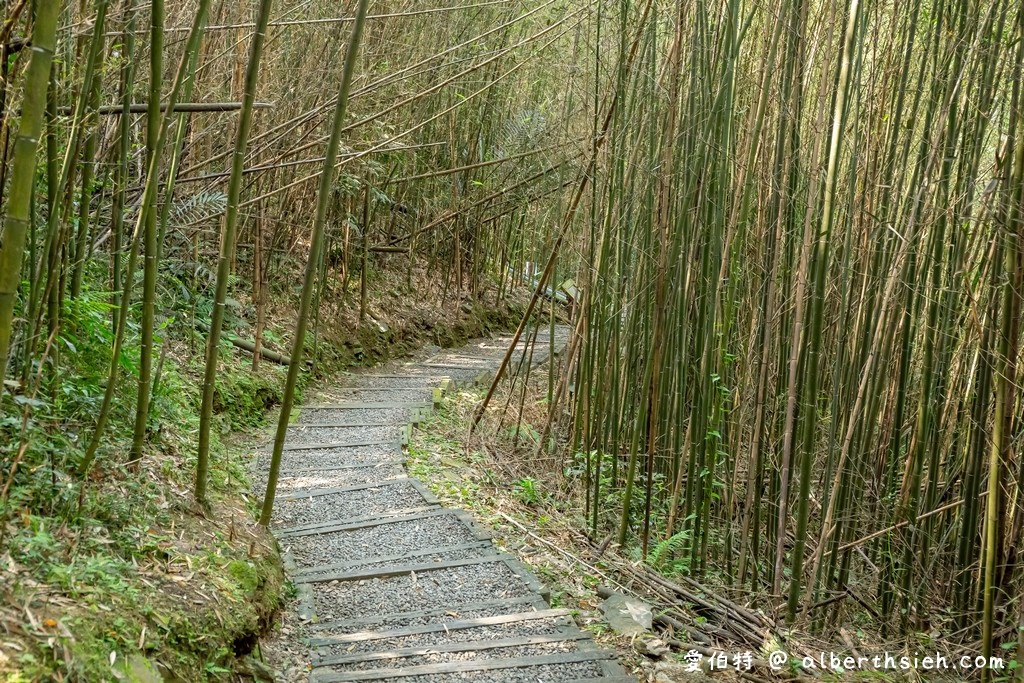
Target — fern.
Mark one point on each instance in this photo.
(521, 132)
(197, 208)
(667, 548)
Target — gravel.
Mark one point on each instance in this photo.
(536, 650)
(547, 673)
(326, 479)
(324, 458)
(382, 540)
(424, 394)
(411, 382)
(299, 435)
(348, 504)
(397, 416)
(427, 590)
(454, 612)
(534, 627)
(370, 566)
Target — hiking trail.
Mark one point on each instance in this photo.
(392, 585)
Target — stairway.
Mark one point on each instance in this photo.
(396, 587)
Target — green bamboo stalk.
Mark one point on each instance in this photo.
(19, 197)
(123, 148)
(226, 247)
(818, 294)
(1005, 362)
(94, 83)
(149, 227)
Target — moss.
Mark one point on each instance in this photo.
(243, 397)
(246, 575)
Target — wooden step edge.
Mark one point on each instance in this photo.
(452, 648)
(407, 375)
(351, 390)
(327, 445)
(369, 405)
(453, 625)
(328, 526)
(316, 493)
(390, 448)
(339, 425)
(318, 676)
(337, 468)
(288, 484)
(398, 570)
(523, 603)
(302, 426)
(302, 573)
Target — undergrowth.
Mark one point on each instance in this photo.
(120, 575)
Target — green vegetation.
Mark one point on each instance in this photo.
(787, 237)
(125, 566)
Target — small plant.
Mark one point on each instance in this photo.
(662, 557)
(527, 491)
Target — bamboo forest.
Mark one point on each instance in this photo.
(508, 341)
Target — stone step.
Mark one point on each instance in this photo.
(321, 458)
(398, 566)
(331, 505)
(314, 479)
(405, 635)
(427, 589)
(370, 405)
(439, 619)
(475, 650)
(410, 536)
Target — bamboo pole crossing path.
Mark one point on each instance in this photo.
(394, 586)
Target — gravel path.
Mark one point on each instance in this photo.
(384, 540)
(391, 587)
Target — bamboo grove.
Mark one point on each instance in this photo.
(796, 348)
(794, 227)
(178, 157)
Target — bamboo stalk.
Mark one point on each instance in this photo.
(323, 197)
(226, 247)
(17, 216)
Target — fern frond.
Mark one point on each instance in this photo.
(197, 207)
(521, 132)
(668, 547)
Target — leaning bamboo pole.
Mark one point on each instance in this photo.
(313, 263)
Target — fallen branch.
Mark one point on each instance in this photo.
(183, 107)
(249, 346)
